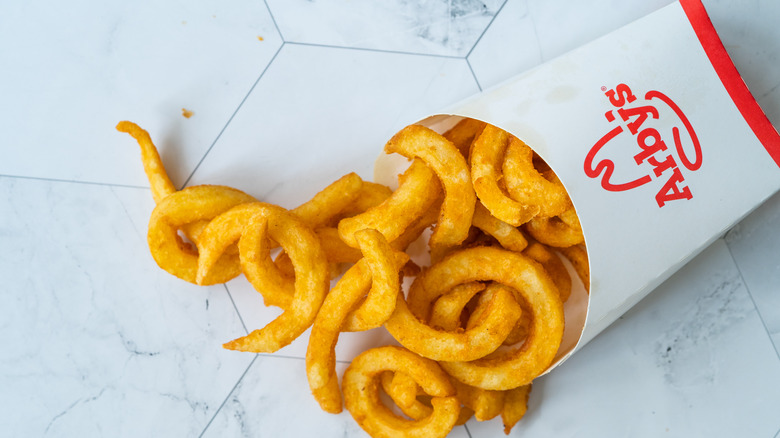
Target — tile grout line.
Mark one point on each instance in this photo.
(286, 357)
(474, 75)
(281, 356)
(203, 158)
(235, 308)
(468, 432)
(750, 294)
(241, 378)
(365, 49)
(73, 181)
(273, 19)
(228, 396)
(284, 42)
(474, 46)
(246, 330)
(484, 31)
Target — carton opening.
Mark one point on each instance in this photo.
(389, 166)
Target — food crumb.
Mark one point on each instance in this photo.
(186, 113)
(259, 38)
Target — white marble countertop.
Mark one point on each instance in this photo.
(98, 341)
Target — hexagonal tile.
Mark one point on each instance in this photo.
(66, 86)
(508, 47)
(340, 106)
(95, 330)
(755, 246)
(448, 28)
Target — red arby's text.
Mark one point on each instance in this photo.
(631, 120)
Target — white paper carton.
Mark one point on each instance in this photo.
(658, 141)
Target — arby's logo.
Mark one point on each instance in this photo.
(650, 141)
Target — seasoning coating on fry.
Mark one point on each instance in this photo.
(578, 257)
(478, 341)
(418, 189)
(485, 403)
(330, 201)
(553, 265)
(155, 171)
(528, 185)
(366, 277)
(520, 365)
(486, 157)
(451, 167)
(463, 134)
(361, 383)
(559, 231)
(320, 354)
(515, 406)
(508, 236)
(263, 221)
(384, 264)
(178, 209)
(448, 310)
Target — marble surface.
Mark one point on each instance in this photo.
(98, 341)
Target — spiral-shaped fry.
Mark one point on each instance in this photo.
(361, 383)
(487, 154)
(372, 279)
(449, 165)
(254, 224)
(418, 189)
(528, 185)
(560, 231)
(521, 365)
(483, 338)
(192, 205)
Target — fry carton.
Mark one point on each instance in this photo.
(658, 141)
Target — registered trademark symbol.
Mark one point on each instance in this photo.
(603, 88)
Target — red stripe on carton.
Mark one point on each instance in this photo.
(730, 77)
